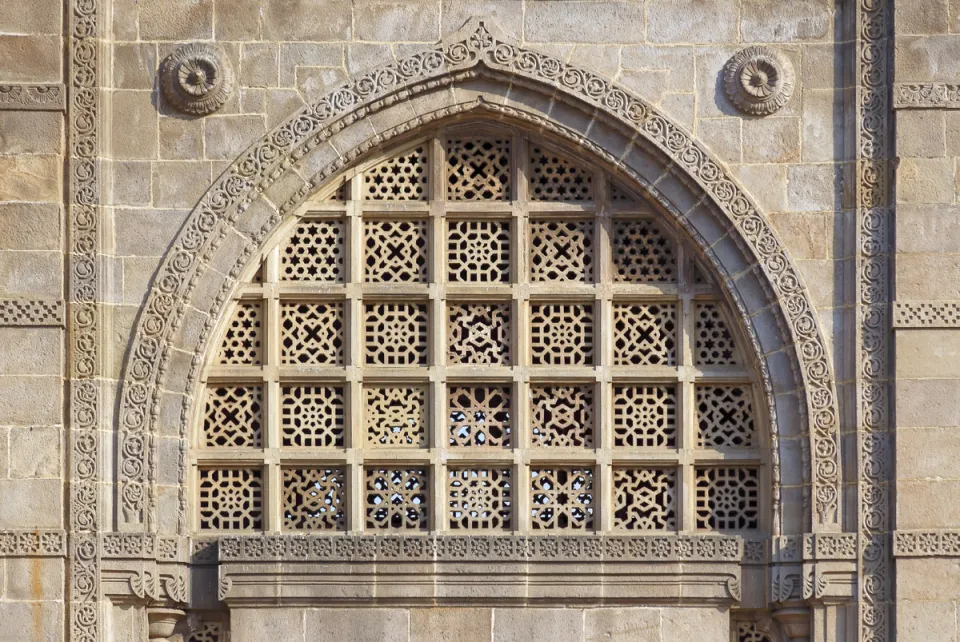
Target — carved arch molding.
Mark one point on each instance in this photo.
(479, 71)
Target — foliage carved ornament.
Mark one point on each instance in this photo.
(474, 48)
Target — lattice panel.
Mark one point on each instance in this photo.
(312, 416)
(724, 417)
(727, 498)
(242, 342)
(750, 632)
(714, 344)
(314, 252)
(561, 334)
(478, 169)
(396, 498)
(561, 250)
(642, 253)
(395, 251)
(312, 334)
(479, 416)
(479, 498)
(232, 417)
(479, 334)
(402, 178)
(645, 416)
(562, 498)
(555, 178)
(314, 499)
(478, 251)
(645, 499)
(562, 416)
(645, 335)
(231, 499)
(620, 194)
(395, 416)
(208, 632)
(395, 334)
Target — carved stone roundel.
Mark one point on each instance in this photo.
(759, 80)
(196, 79)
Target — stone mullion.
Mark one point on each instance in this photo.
(686, 411)
(272, 491)
(354, 437)
(603, 334)
(521, 309)
(437, 340)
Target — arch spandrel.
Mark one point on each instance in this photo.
(275, 175)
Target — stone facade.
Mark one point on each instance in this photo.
(783, 177)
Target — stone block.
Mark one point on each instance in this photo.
(622, 625)
(30, 401)
(506, 14)
(597, 22)
(34, 579)
(927, 402)
(37, 452)
(680, 108)
(922, 16)
(928, 504)
(692, 624)
(176, 20)
(650, 84)
(137, 275)
(921, 228)
(307, 20)
(364, 56)
(927, 277)
(38, 57)
(921, 133)
(135, 134)
(259, 64)
(31, 503)
(927, 59)
(357, 625)
(767, 184)
(30, 226)
(602, 59)
(141, 233)
(181, 138)
(397, 21)
(180, 183)
(31, 132)
(127, 182)
(722, 137)
(226, 137)
(30, 351)
(30, 178)
(806, 236)
(927, 453)
(771, 140)
(712, 99)
(822, 64)
(31, 17)
(692, 21)
(312, 83)
(135, 65)
(22, 621)
(813, 188)
(238, 20)
(307, 54)
(762, 21)
(31, 275)
(450, 625)
(678, 62)
(523, 625)
(822, 124)
(913, 578)
(256, 625)
(928, 354)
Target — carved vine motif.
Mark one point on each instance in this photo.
(256, 170)
(197, 79)
(33, 97)
(759, 80)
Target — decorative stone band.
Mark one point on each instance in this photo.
(33, 544)
(143, 546)
(33, 97)
(936, 95)
(944, 543)
(23, 312)
(926, 314)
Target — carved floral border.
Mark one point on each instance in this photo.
(48, 97)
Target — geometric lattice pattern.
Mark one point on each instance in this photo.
(714, 340)
(479, 498)
(395, 416)
(478, 251)
(232, 417)
(396, 250)
(724, 417)
(208, 632)
(314, 252)
(727, 498)
(645, 499)
(402, 178)
(241, 343)
(231, 499)
(554, 178)
(312, 416)
(396, 498)
(561, 335)
(562, 498)
(750, 632)
(479, 334)
(478, 169)
(396, 334)
(644, 416)
(312, 334)
(313, 499)
(645, 335)
(561, 250)
(642, 253)
(562, 416)
(479, 416)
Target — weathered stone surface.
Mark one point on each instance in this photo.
(450, 625)
(791, 22)
(30, 226)
(622, 625)
(176, 19)
(226, 136)
(30, 503)
(30, 178)
(38, 58)
(692, 21)
(362, 625)
(307, 20)
(597, 22)
(517, 625)
(36, 621)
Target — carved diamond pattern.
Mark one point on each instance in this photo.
(232, 417)
(555, 178)
(645, 416)
(395, 416)
(241, 344)
(479, 498)
(396, 334)
(750, 632)
(562, 416)
(645, 335)
(479, 334)
(396, 251)
(714, 341)
(645, 498)
(314, 252)
(312, 334)
(727, 498)
(209, 632)
(478, 251)
(403, 178)
(561, 334)
(313, 499)
(562, 498)
(479, 416)
(724, 417)
(561, 251)
(397, 498)
(642, 253)
(478, 169)
(312, 416)
(231, 499)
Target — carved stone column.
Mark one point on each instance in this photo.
(166, 625)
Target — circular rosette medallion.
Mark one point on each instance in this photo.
(759, 80)
(196, 79)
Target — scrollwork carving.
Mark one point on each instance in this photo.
(197, 79)
(759, 80)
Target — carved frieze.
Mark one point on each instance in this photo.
(49, 97)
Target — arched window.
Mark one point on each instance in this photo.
(480, 332)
